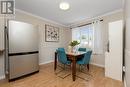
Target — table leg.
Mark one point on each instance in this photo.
(74, 69)
(55, 61)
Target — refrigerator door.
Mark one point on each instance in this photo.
(23, 49)
(22, 64)
(23, 37)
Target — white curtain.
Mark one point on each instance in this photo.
(98, 40)
(76, 34)
(86, 31)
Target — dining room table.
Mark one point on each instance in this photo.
(73, 56)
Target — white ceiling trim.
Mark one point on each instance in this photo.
(44, 19)
(97, 17)
(72, 25)
(110, 13)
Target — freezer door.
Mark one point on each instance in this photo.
(23, 37)
(20, 65)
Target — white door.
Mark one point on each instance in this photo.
(113, 61)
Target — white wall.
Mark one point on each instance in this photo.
(46, 49)
(127, 47)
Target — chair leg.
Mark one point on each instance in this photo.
(63, 68)
(88, 66)
(79, 67)
(85, 66)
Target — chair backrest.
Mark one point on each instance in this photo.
(87, 57)
(82, 49)
(62, 49)
(62, 58)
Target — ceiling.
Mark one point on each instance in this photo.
(79, 9)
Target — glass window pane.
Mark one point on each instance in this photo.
(84, 35)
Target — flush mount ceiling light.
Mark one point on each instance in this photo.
(64, 6)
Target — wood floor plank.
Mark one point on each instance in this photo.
(47, 78)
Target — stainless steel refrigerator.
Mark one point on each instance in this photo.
(21, 49)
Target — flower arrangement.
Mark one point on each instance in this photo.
(74, 43)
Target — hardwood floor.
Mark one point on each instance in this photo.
(47, 78)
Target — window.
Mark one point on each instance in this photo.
(90, 36)
(84, 35)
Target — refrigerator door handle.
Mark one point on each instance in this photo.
(23, 53)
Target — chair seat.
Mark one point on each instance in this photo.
(80, 62)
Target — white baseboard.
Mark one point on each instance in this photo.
(46, 62)
(53, 61)
(2, 77)
(98, 65)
